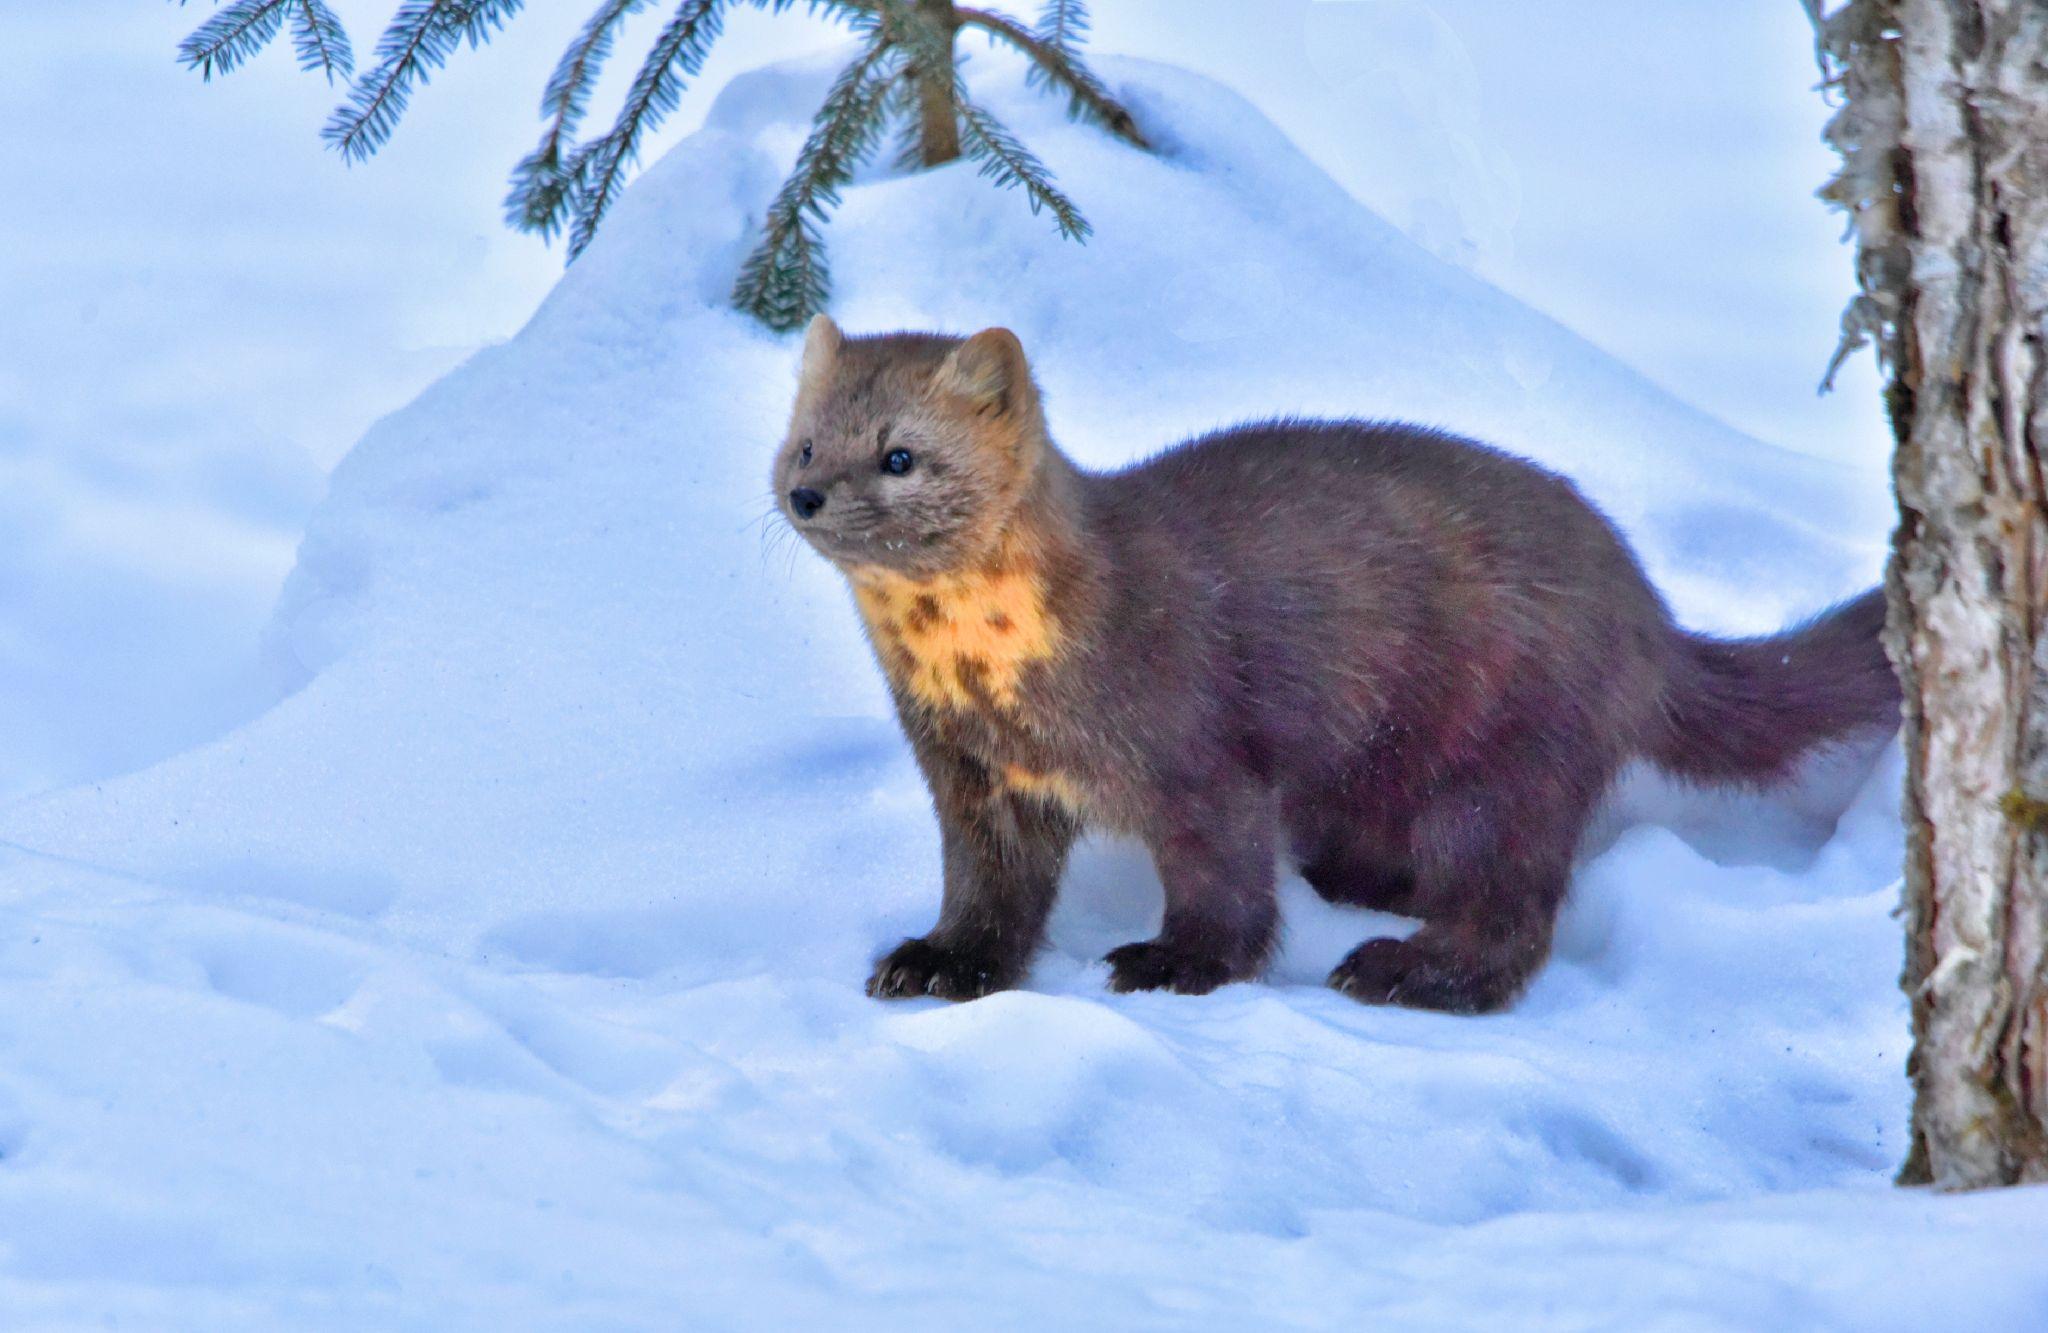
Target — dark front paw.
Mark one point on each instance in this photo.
(919, 967)
(1158, 965)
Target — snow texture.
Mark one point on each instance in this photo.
(508, 971)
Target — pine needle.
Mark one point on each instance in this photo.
(1063, 25)
(234, 35)
(543, 189)
(1011, 165)
(419, 39)
(320, 40)
(785, 280)
(1055, 64)
(598, 168)
(563, 184)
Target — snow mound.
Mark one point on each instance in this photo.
(510, 968)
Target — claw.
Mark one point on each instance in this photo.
(1156, 965)
(918, 967)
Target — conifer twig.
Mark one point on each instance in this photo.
(853, 12)
(900, 110)
(419, 39)
(598, 168)
(785, 281)
(1087, 98)
(320, 41)
(233, 35)
(236, 34)
(542, 186)
(1063, 25)
(907, 72)
(1009, 163)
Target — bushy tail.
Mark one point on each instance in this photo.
(1745, 710)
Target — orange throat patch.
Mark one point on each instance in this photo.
(959, 641)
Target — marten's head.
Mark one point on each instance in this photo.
(909, 453)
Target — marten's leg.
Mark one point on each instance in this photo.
(1493, 858)
(1214, 845)
(1351, 838)
(1003, 852)
(1361, 874)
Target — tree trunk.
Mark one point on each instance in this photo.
(938, 124)
(1945, 139)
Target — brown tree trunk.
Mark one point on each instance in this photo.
(938, 124)
(1945, 139)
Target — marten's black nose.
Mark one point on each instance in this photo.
(806, 501)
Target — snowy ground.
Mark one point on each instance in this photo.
(508, 970)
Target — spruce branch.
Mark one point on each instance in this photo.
(598, 168)
(320, 40)
(900, 109)
(907, 74)
(232, 36)
(1063, 25)
(419, 39)
(861, 15)
(567, 95)
(543, 188)
(785, 280)
(482, 20)
(1056, 64)
(1011, 165)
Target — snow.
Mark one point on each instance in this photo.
(203, 311)
(508, 969)
(1642, 173)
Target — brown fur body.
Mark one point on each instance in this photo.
(1409, 662)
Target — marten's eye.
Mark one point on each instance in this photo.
(804, 458)
(897, 462)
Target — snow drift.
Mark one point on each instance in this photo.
(510, 967)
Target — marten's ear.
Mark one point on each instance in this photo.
(988, 370)
(821, 347)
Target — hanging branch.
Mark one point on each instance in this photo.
(587, 183)
(861, 15)
(1010, 164)
(598, 168)
(320, 40)
(237, 33)
(900, 110)
(232, 36)
(542, 186)
(1087, 98)
(906, 74)
(1063, 26)
(785, 281)
(420, 38)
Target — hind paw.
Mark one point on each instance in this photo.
(1425, 972)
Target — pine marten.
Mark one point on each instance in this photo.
(1410, 662)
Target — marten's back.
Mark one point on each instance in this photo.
(1350, 569)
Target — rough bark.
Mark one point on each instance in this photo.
(1944, 135)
